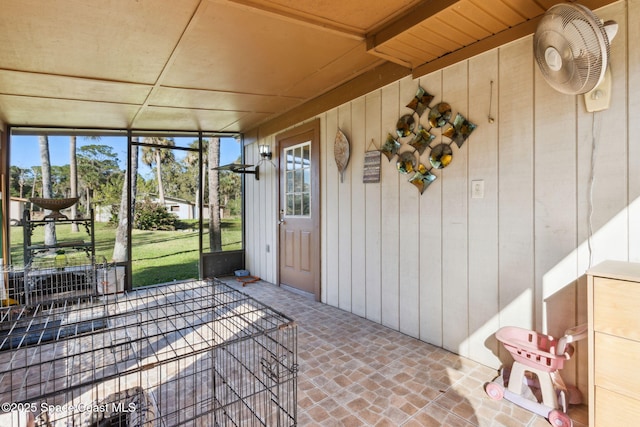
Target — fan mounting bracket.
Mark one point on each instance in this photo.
(599, 98)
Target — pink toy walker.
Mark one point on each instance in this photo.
(542, 356)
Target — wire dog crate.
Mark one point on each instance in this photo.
(196, 353)
(47, 279)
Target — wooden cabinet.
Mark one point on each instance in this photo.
(614, 344)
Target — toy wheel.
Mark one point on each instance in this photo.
(559, 419)
(495, 391)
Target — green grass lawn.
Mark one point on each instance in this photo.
(158, 256)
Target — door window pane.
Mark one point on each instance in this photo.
(290, 205)
(298, 180)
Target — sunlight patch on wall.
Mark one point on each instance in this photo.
(609, 242)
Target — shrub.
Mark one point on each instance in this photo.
(153, 216)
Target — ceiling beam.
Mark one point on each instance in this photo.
(409, 19)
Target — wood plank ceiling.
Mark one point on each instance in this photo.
(229, 65)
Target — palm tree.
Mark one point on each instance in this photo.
(192, 160)
(73, 178)
(21, 182)
(120, 246)
(50, 228)
(36, 175)
(213, 161)
(157, 156)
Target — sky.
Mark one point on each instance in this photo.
(25, 151)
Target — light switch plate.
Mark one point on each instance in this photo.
(477, 189)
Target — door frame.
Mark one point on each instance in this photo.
(314, 128)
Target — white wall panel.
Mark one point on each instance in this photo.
(323, 211)
(455, 292)
(451, 269)
(390, 208)
(372, 212)
(358, 225)
(515, 184)
(482, 147)
(409, 219)
(609, 219)
(344, 214)
(268, 189)
(331, 215)
(252, 218)
(555, 198)
(606, 213)
(431, 306)
(633, 142)
(555, 206)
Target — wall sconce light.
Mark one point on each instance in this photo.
(265, 151)
(265, 154)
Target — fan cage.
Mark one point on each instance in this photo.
(579, 37)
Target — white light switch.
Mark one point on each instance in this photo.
(477, 189)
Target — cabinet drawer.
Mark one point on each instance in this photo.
(614, 409)
(615, 308)
(616, 364)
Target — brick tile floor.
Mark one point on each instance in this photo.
(354, 372)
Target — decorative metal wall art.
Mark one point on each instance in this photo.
(422, 140)
(440, 156)
(412, 134)
(462, 128)
(341, 152)
(405, 125)
(406, 162)
(422, 178)
(440, 115)
(390, 147)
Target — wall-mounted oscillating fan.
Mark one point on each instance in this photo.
(571, 47)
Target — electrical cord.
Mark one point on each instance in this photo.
(595, 134)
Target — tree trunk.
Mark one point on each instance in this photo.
(73, 181)
(35, 181)
(21, 183)
(203, 183)
(200, 192)
(50, 228)
(215, 235)
(120, 246)
(159, 174)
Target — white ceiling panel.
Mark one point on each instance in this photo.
(226, 64)
(32, 111)
(60, 87)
